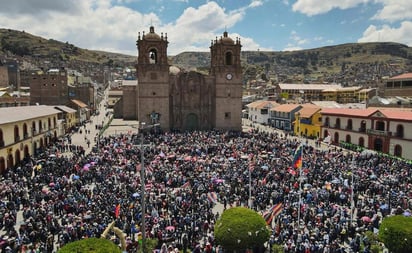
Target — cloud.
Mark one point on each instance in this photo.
(290, 47)
(395, 10)
(105, 25)
(255, 3)
(315, 7)
(402, 34)
(39, 7)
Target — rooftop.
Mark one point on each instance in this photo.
(23, 113)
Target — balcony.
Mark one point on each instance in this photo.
(362, 130)
(378, 132)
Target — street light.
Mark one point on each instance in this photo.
(142, 179)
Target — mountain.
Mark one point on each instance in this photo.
(349, 64)
(22, 44)
(346, 63)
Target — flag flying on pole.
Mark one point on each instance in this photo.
(274, 211)
(212, 197)
(297, 158)
(117, 211)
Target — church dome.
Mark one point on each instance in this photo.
(152, 35)
(226, 39)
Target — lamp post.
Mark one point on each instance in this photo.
(300, 175)
(143, 185)
(142, 178)
(352, 204)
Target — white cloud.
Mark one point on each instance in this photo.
(315, 7)
(402, 34)
(395, 10)
(103, 25)
(290, 47)
(255, 3)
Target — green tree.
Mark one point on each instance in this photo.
(241, 228)
(396, 233)
(91, 245)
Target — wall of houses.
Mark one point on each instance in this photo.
(22, 138)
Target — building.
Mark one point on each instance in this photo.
(308, 121)
(283, 116)
(383, 130)
(259, 111)
(400, 85)
(24, 130)
(303, 92)
(67, 119)
(185, 100)
(49, 88)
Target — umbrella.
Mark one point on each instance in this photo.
(75, 177)
(170, 228)
(86, 168)
(135, 195)
(231, 159)
(366, 219)
(51, 184)
(407, 213)
(307, 186)
(335, 181)
(384, 206)
(264, 167)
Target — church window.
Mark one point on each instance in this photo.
(153, 56)
(228, 58)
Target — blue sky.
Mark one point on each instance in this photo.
(275, 25)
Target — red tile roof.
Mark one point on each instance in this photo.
(348, 112)
(397, 114)
(402, 76)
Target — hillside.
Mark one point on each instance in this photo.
(20, 43)
(346, 64)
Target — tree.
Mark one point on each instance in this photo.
(396, 233)
(90, 245)
(241, 228)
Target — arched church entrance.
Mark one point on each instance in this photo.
(191, 122)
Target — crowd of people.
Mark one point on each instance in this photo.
(64, 199)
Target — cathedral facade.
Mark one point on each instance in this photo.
(185, 100)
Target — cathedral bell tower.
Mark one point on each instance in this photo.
(152, 79)
(227, 71)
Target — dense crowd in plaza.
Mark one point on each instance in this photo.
(64, 199)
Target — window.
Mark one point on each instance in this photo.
(349, 126)
(263, 111)
(153, 56)
(227, 115)
(228, 58)
(399, 131)
(337, 124)
(380, 125)
(348, 138)
(361, 142)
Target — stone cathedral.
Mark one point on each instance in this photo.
(185, 100)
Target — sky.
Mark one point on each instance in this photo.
(266, 25)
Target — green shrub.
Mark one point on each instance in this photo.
(396, 233)
(241, 228)
(91, 245)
